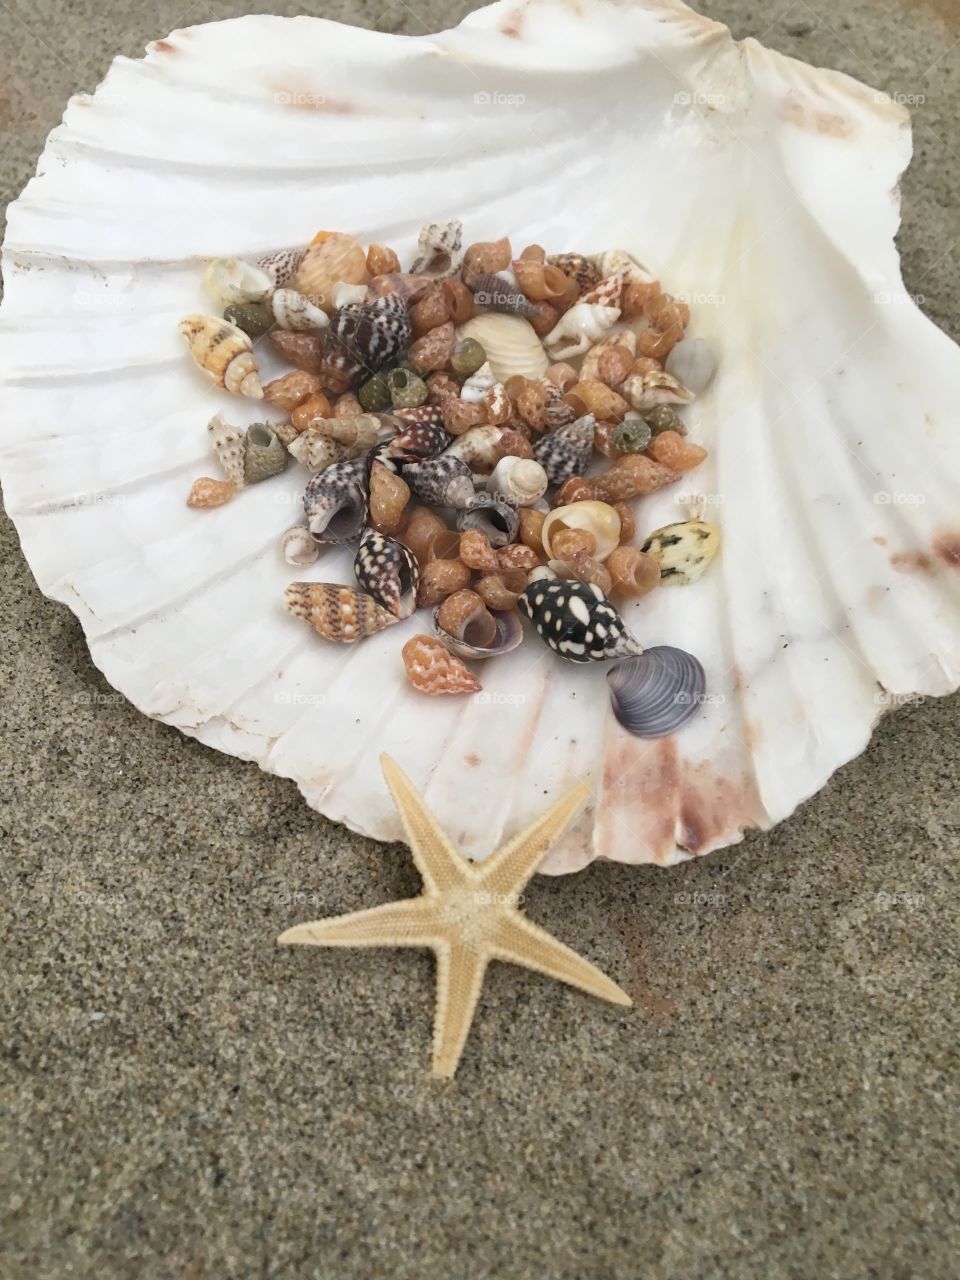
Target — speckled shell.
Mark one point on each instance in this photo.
(336, 501)
(102, 414)
(388, 571)
(568, 450)
(576, 621)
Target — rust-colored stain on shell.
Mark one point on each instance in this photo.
(512, 25)
(911, 561)
(655, 800)
(473, 760)
(947, 547)
(827, 123)
(164, 46)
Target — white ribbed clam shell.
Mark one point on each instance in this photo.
(834, 463)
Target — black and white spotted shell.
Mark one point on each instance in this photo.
(337, 500)
(388, 571)
(576, 620)
(568, 450)
(365, 336)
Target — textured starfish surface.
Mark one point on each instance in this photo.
(467, 914)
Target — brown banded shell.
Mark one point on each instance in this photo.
(388, 571)
(337, 612)
(224, 353)
(646, 391)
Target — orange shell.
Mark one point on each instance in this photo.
(434, 670)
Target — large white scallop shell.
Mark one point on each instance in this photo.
(835, 458)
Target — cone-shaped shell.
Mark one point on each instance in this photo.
(567, 451)
(224, 353)
(337, 612)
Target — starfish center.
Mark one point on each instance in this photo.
(472, 911)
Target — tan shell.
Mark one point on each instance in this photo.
(227, 443)
(511, 345)
(646, 390)
(224, 353)
(316, 450)
(337, 612)
(598, 518)
(333, 258)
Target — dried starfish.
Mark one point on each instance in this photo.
(467, 914)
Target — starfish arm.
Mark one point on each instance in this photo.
(521, 942)
(411, 923)
(509, 869)
(438, 862)
(460, 971)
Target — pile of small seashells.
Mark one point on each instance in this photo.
(450, 415)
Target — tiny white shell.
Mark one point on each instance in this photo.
(619, 262)
(344, 294)
(478, 384)
(521, 481)
(511, 345)
(583, 324)
(292, 310)
(299, 547)
(229, 280)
